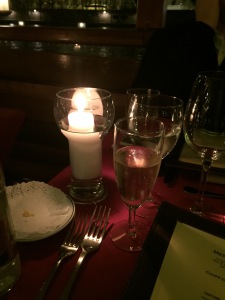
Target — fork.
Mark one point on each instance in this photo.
(91, 242)
(68, 248)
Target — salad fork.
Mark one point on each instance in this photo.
(68, 248)
(91, 242)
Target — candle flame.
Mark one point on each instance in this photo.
(79, 101)
(87, 99)
(80, 118)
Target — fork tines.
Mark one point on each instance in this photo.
(77, 230)
(98, 223)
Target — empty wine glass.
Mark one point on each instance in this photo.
(137, 153)
(169, 110)
(138, 91)
(204, 126)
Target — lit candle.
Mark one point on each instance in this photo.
(80, 120)
(4, 5)
(84, 144)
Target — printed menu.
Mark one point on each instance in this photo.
(193, 267)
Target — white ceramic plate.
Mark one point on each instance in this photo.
(38, 210)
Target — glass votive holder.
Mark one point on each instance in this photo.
(84, 116)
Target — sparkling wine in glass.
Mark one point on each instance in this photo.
(204, 127)
(137, 153)
(169, 110)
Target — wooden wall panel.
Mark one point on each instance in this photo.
(113, 74)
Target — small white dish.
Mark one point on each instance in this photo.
(38, 210)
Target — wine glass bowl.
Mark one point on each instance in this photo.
(169, 110)
(139, 91)
(204, 125)
(137, 153)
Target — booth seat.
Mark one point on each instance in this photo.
(11, 121)
(29, 81)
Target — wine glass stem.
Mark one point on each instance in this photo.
(131, 222)
(206, 164)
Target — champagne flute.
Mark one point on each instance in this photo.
(169, 110)
(204, 126)
(137, 153)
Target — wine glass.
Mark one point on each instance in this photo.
(169, 110)
(140, 91)
(137, 153)
(204, 126)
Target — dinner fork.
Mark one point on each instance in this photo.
(68, 248)
(91, 242)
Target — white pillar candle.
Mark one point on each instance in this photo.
(80, 121)
(85, 155)
(84, 145)
(4, 5)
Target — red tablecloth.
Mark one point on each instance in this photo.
(105, 273)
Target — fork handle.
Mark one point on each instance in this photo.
(48, 281)
(67, 290)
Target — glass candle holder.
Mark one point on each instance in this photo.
(84, 116)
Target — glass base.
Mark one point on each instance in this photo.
(124, 241)
(9, 274)
(205, 213)
(87, 191)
